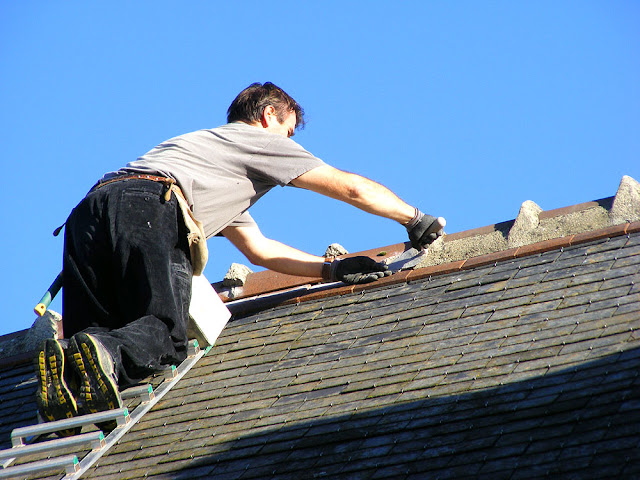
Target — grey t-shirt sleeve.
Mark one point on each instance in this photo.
(243, 220)
(282, 160)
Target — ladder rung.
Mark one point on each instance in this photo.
(93, 439)
(170, 372)
(68, 462)
(121, 415)
(145, 392)
(193, 348)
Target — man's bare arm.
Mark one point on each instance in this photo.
(272, 254)
(282, 258)
(356, 190)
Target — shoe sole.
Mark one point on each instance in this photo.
(98, 391)
(54, 398)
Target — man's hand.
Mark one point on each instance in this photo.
(424, 229)
(357, 270)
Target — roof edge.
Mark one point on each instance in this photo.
(268, 281)
(296, 296)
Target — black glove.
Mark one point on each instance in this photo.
(424, 229)
(357, 270)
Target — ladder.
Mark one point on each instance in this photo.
(24, 439)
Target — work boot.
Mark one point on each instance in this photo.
(55, 399)
(98, 379)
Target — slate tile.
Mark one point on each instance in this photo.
(614, 243)
(589, 297)
(382, 395)
(261, 467)
(490, 378)
(628, 307)
(626, 261)
(502, 354)
(579, 247)
(530, 260)
(425, 380)
(534, 291)
(608, 465)
(370, 339)
(356, 355)
(601, 276)
(582, 269)
(446, 388)
(455, 289)
(300, 355)
(494, 275)
(579, 316)
(610, 325)
(518, 339)
(604, 256)
(522, 307)
(627, 427)
(323, 373)
(453, 305)
(570, 293)
(538, 468)
(450, 347)
(311, 392)
(395, 470)
(479, 353)
(400, 297)
(594, 343)
(406, 364)
(633, 327)
(243, 339)
(627, 303)
(538, 271)
(338, 332)
(341, 301)
(427, 304)
(474, 305)
(618, 278)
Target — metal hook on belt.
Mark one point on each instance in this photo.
(170, 182)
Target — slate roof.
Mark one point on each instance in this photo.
(517, 364)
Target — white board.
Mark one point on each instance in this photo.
(208, 314)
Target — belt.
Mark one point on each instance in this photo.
(169, 183)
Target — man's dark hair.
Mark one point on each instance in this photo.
(250, 103)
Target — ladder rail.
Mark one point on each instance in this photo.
(99, 443)
(111, 439)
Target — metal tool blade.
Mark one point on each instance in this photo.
(406, 260)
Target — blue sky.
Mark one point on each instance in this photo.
(465, 109)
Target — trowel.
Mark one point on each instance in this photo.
(406, 260)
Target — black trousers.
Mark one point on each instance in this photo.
(127, 276)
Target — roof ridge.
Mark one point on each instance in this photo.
(531, 227)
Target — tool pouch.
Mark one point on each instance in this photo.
(196, 236)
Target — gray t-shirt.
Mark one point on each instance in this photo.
(224, 170)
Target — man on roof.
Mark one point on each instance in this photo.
(133, 243)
